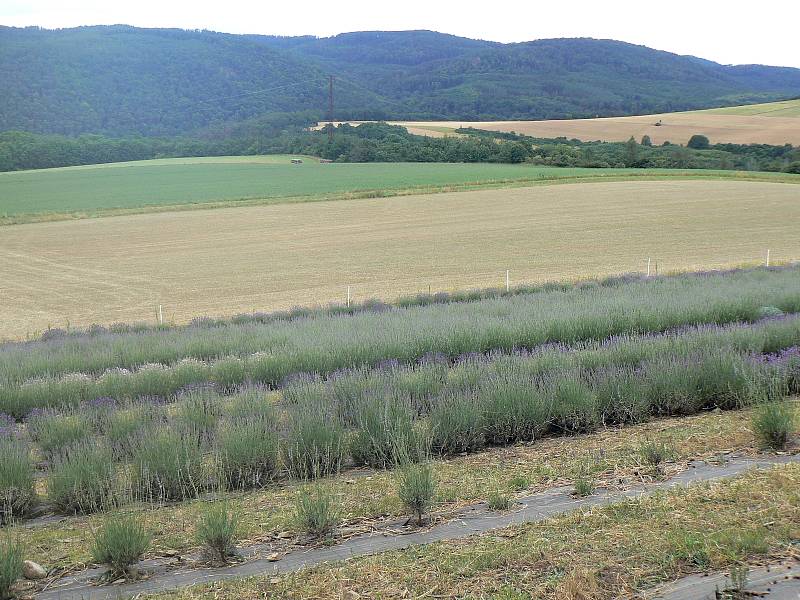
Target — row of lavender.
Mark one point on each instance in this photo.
(268, 353)
(109, 451)
(70, 371)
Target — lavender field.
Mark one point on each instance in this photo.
(126, 415)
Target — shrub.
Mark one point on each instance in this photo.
(120, 543)
(315, 512)
(315, 445)
(769, 311)
(584, 487)
(167, 466)
(229, 372)
(197, 413)
(654, 454)
(773, 423)
(385, 433)
(574, 405)
(53, 431)
(497, 501)
(519, 483)
(698, 142)
(416, 487)
(125, 427)
(691, 549)
(81, 479)
(457, 424)
(513, 410)
(248, 406)
(247, 454)
(16, 479)
(216, 531)
(10, 565)
(622, 397)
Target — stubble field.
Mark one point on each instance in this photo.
(772, 123)
(228, 261)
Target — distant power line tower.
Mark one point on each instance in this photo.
(330, 108)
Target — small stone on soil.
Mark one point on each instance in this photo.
(32, 570)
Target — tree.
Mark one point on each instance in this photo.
(631, 152)
(698, 142)
(515, 152)
(646, 141)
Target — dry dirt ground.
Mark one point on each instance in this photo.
(226, 261)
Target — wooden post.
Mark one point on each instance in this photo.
(348, 295)
(767, 256)
(648, 266)
(508, 281)
(160, 315)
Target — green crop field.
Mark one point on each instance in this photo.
(54, 194)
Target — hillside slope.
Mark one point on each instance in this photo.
(121, 80)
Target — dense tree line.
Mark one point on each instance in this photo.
(122, 81)
(563, 152)
(379, 142)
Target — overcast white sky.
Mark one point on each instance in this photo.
(727, 31)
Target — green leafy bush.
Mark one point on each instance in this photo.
(55, 431)
(315, 445)
(16, 479)
(196, 415)
(416, 487)
(11, 559)
(457, 424)
(774, 423)
(584, 487)
(654, 454)
(499, 502)
(247, 454)
(315, 512)
(120, 543)
(385, 434)
(124, 427)
(167, 466)
(216, 531)
(82, 479)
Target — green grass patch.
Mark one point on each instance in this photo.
(96, 190)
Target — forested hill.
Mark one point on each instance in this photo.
(122, 80)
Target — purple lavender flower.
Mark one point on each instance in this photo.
(434, 358)
(102, 403)
(8, 425)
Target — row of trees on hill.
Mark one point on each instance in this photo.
(379, 142)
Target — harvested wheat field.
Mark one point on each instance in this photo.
(775, 123)
(227, 261)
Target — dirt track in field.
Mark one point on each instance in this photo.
(226, 261)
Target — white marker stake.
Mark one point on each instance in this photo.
(348, 295)
(160, 315)
(767, 256)
(648, 266)
(508, 281)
